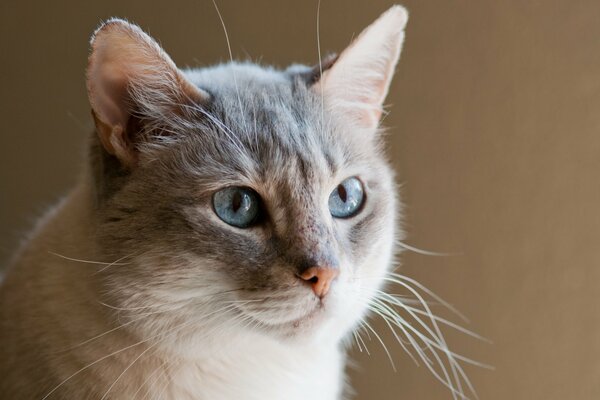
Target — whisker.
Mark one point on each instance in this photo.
(159, 368)
(452, 357)
(97, 336)
(92, 364)
(403, 304)
(164, 372)
(425, 252)
(121, 326)
(428, 363)
(170, 333)
(356, 341)
(398, 338)
(399, 321)
(444, 321)
(442, 345)
(245, 301)
(396, 278)
(89, 261)
(445, 380)
(382, 344)
(320, 60)
(230, 57)
(115, 263)
(124, 349)
(379, 305)
(364, 345)
(383, 311)
(232, 137)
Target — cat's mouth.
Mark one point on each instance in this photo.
(311, 317)
(285, 321)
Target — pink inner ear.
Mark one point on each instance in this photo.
(358, 82)
(123, 56)
(109, 92)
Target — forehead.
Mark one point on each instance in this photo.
(253, 99)
(263, 121)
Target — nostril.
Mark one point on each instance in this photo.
(320, 278)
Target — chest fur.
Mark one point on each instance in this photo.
(258, 373)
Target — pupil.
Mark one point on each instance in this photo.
(236, 201)
(342, 192)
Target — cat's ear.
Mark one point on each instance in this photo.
(128, 71)
(358, 82)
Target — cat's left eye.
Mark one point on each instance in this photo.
(347, 198)
(237, 206)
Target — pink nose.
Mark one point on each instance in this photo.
(320, 278)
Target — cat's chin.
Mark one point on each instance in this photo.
(310, 319)
(302, 328)
(298, 314)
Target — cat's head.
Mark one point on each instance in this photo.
(240, 198)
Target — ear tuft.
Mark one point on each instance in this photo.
(126, 67)
(358, 82)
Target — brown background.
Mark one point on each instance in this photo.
(495, 134)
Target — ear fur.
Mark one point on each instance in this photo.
(358, 82)
(126, 65)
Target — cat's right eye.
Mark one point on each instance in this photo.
(237, 206)
(347, 198)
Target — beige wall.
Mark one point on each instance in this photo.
(495, 135)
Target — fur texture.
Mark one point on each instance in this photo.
(133, 287)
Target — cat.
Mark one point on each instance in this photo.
(227, 235)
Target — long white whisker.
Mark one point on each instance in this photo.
(232, 137)
(121, 326)
(447, 382)
(398, 338)
(356, 340)
(320, 61)
(138, 357)
(103, 334)
(429, 364)
(441, 345)
(401, 303)
(382, 344)
(168, 334)
(424, 252)
(231, 58)
(115, 263)
(117, 352)
(455, 368)
(452, 357)
(364, 345)
(89, 261)
(396, 278)
(164, 372)
(92, 364)
(255, 146)
(147, 380)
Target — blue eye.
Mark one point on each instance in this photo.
(237, 206)
(346, 199)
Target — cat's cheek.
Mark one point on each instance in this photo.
(344, 312)
(356, 290)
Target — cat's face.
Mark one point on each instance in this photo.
(220, 189)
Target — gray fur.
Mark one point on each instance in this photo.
(263, 129)
(164, 280)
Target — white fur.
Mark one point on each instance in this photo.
(196, 346)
